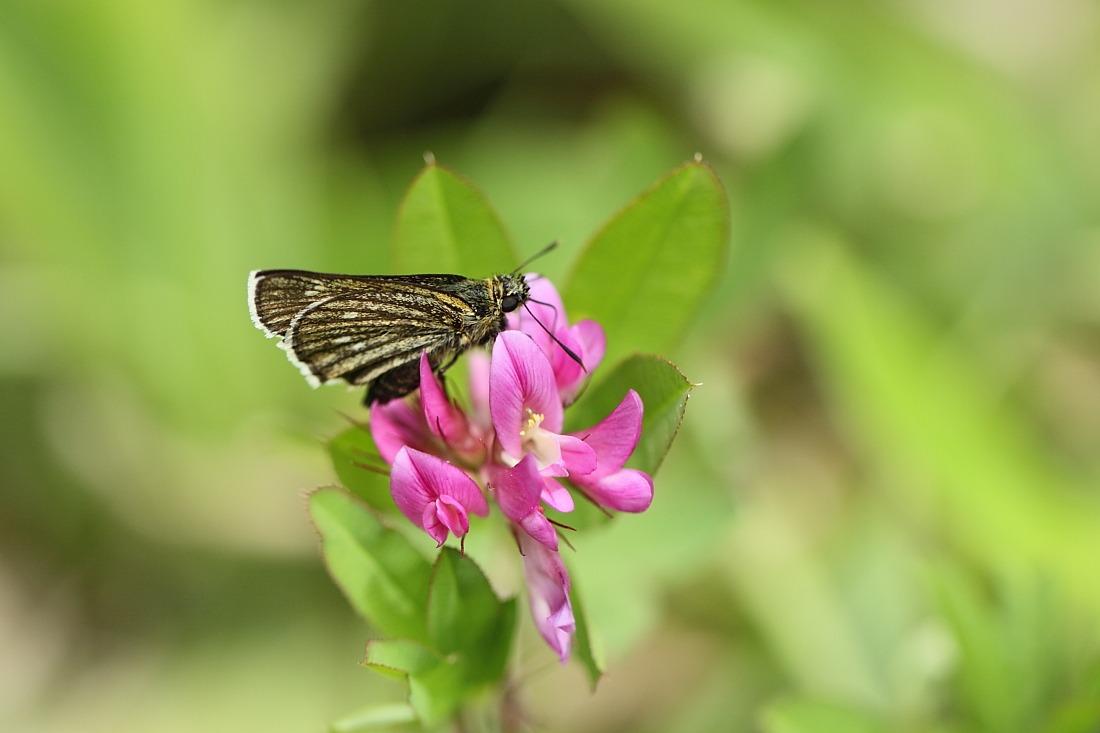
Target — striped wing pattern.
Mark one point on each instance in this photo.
(371, 329)
(276, 296)
(361, 335)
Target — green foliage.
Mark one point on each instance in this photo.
(921, 390)
(646, 273)
(445, 225)
(471, 635)
(382, 575)
(449, 634)
(350, 451)
(436, 685)
(457, 633)
(466, 619)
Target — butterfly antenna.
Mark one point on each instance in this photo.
(557, 341)
(551, 306)
(548, 248)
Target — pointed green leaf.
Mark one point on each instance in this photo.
(446, 225)
(461, 603)
(664, 391)
(401, 655)
(466, 617)
(383, 576)
(436, 684)
(582, 641)
(644, 275)
(350, 451)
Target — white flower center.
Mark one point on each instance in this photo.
(542, 443)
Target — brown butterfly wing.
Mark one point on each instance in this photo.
(376, 334)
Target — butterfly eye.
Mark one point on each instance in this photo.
(509, 303)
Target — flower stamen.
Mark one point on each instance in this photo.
(534, 419)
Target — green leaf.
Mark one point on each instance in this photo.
(383, 576)
(582, 641)
(390, 656)
(466, 617)
(436, 684)
(647, 272)
(446, 225)
(375, 717)
(811, 716)
(498, 644)
(350, 451)
(664, 391)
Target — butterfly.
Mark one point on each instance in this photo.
(371, 329)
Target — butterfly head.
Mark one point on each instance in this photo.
(513, 292)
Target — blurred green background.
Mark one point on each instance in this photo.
(882, 511)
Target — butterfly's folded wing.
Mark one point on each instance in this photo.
(362, 335)
(275, 297)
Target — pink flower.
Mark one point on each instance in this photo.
(477, 365)
(613, 439)
(517, 490)
(435, 495)
(427, 421)
(585, 339)
(445, 421)
(548, 594)
(511, 442)
(400, 423)
(527, 414)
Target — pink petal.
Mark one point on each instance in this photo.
(556, 495)
(452, 515)
(417, 479)
(593, 343)
(410, 492)
(521, 379)
(517, 489)
(399, 423)
(626, 490)
(548, 595)
(538, 527)
(542, 289)
(445, 421)
(616, 436)
(477, 364)
(433, 525)
(578, 456)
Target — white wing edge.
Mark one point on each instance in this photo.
(254, 279)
